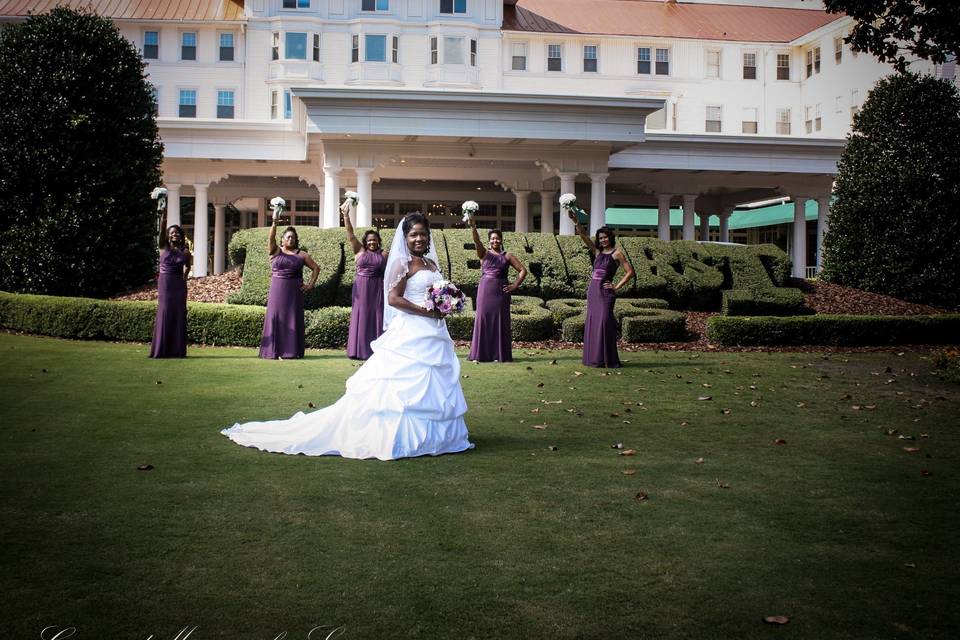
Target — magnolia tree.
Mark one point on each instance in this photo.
(79, 156)
(895, 223)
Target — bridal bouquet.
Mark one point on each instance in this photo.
(160, 195)
(569, 201)
(351, 197)
(278, 204)
(470, 209)
(445, 297)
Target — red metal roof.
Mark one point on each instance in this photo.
(656, 18)
(134, 9)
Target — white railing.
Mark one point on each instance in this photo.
(812, 272)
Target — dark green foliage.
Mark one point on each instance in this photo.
(769, 302)
(835, 330)
(626, 307)
(529, 319)
(654, 325)
(894, 224)
(572, 328)
(890, 28)
(79, 155)
(694, 275)
(564, 308)
(577, 265)
(327, 328)
(647, 257)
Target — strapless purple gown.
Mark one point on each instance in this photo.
(366, 312)
(170, 327)
(283, 328)
(491, 328)
(600, 330)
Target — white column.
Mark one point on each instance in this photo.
(663, 216)
(704, 227)
(261, 212)
(725, 224)
(200, 225)
(568, 184)
(799, 254)
(173, 204)
(331, 197)
(522, 222)
(322, 212)
(689, 206)
(364, 197)
(823, 225)
(546, 212)
(598, 201)
(219, 237)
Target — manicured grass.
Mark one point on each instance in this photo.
(837, 528)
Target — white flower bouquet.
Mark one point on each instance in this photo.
(469, 209)
(277, 205)
(352, 197)
(568, 201)
(445, 297)
(160, 195)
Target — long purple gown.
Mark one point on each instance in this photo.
(366, 312)
(600, 329)
(283, 328)
(170, 327)
(491, 328)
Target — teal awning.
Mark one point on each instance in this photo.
(646, 217)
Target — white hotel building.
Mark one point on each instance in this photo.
(421, 104)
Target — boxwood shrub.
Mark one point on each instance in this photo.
(564, 308)
(654, 325)
(834, 330)
(571, 330)
(764, 302)
(529, 319)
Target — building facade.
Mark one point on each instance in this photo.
(422, 104)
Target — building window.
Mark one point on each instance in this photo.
(151, 45)
(226, 47)
(287, 105)
(854, 102)
(518, 52)
(818, 121)
(188, 45)
(837, 107)
(295, 47)
(225, 104)
(749, 124)
(838, 49)
(473, 53)
(434, 51)
(296, 4)
(783, 66)
(643, 60)
(452, 50)
(554, 57)
(808, 118)
(274, 99)
(816, 60)
(395, 53)
(376, 5)
(188, 103)
(713, 64)
(453, 6)
(155, 96)
(316, 47)
(749, 66)
(783, 122)
(355, 49)
(714, 119)
(375, 48)
(663, 62)
(275, 46)
(590, 58)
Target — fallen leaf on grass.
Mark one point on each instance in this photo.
(627, 422)
(924, 472)
(722, 485)
(704, 398)
(311, 405)
(684, 423)
(529, 368)
(629, 452)
(617, 445)
(537, 410)
(910, 565)
(779, 441)
(578, 373)
(855, 407)
(911, 449)
(539, 385)
(870, 406)
(641, 496)
(614, 415)
(539, 426)
(629, 472)
(846, 396)
(553, 362)
(552, 401)
(924, 435)
(801, 405)
(552, 447)
(699, 461)
(776, 619)
(144, 467)
(754, 403)
(726, 412)
(706, 385)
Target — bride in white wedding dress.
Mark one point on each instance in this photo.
(406, 399)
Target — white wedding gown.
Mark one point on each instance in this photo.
(404, 401)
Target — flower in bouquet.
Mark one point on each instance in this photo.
(445, 297)
(278, 204)
(568, 201)
(470, 209)
(160, 195)
(352, 197)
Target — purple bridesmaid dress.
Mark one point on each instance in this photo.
(600, 329)
(366, 312)
(170, 327)
(283, 329)
(491, 328)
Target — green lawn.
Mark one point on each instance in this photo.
(838, 528)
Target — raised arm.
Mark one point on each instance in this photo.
(521, 273)
(587, 242)
(481, 250)
(272, 247)
(348, 225)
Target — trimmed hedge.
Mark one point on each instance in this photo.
(564, 308)
(834, 330)
(572, 328)
(764, 302)
(655, 325)
(627, 307)
(529, 321)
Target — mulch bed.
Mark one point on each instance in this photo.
(821, 297)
